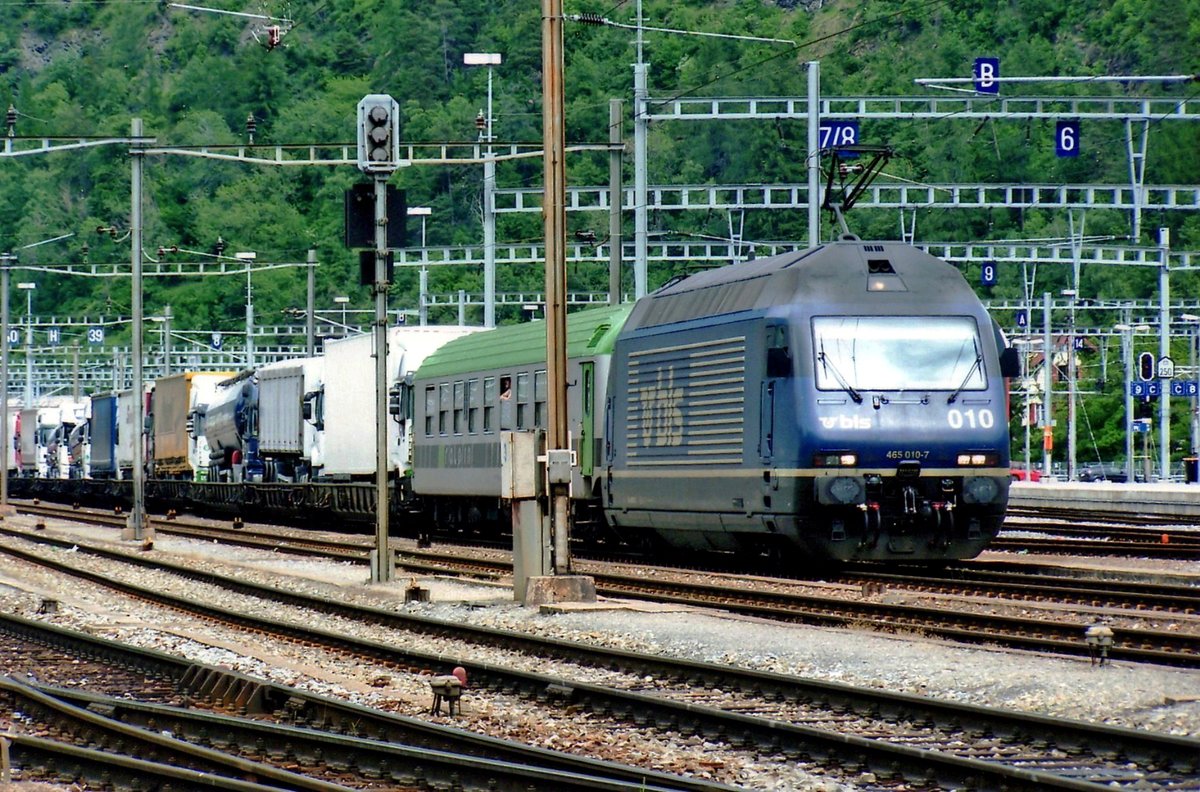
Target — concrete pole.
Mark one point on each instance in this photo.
(249, 318)
(1048, 375)
(5, 451)
(641, 192)
(381, 571)
(75, 393)
(423, 297)
(166, 342)
(28, 346)
(310, 315)
(1127, 356)
(1164, 350)
(814, 160)
(137, 516)
(614, 202)
(489, 220)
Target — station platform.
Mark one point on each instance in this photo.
(1169, 500)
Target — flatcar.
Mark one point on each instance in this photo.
(846, 402)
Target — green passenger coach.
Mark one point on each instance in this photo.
(475, 387)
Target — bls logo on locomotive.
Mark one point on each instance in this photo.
(660, 409)
(855, 422)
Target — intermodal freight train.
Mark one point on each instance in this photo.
(846, 402)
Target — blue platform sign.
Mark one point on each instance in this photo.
(986, 74)
(1140, 426)
(1022, 318)
(1066, 139)
(216, 341)
(834, 134)
(14, 336)
(1188, 389)
(1079, 343)
(95, 335)
(987, 274)
(1144, 390)
(54, 336)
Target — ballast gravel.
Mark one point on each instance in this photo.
(1133, 695)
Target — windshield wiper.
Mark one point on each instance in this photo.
(837, 375)
(978, 364)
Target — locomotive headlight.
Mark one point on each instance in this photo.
(835, 459)
(978, 460)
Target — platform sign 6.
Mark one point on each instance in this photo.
(54, 336)
(1066, 139)
(987, 274)
(1022, 319)
(838, 133)
(14, 336)
(95, 335)
(1188, 389)
(986, 73)
(1144, 390)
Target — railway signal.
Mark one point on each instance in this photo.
(378, 134)
(1146, 366)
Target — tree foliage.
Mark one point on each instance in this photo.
(195, 78)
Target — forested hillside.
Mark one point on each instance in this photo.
(87, 68)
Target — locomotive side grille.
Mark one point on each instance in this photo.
(687, 404)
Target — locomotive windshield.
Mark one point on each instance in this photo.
(854, 353)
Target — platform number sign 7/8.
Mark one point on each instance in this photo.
(1066, 139)
(836, 134)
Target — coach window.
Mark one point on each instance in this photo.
(459, 405)
(430, 408)
(472, 406)
(489, 405)
(508, 404)
(539, 398)
(523, 399)
(443, 408)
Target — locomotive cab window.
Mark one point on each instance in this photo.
(890, 353)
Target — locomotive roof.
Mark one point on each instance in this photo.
(844, 273)
(589, 332)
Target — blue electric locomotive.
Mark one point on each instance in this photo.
(846, 402)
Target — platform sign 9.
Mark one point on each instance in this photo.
(1145, 390)
(95, 335)
(987, 75)
(987, 274)
(836, 134)
(1066, 139)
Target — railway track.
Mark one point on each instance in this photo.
(202, 722)
(1053, 632)
(927, 742)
